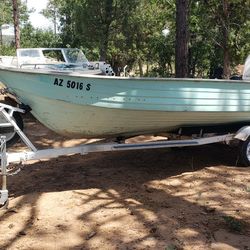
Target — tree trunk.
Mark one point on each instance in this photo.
(108, 18)
(54, 21)
(104, 47)
(16, 23)
(226, 64)
(225, 32)
(182, 37)
(140, 67)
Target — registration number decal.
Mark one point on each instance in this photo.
(72, 84)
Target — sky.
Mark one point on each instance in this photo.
(36, 19)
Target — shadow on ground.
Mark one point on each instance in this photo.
(193, 198)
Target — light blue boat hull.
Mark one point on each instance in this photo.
(97, 106)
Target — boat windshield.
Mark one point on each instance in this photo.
(65, 56)
(75, 56)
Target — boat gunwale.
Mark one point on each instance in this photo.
(92, 76)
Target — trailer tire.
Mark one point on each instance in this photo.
(5, 205)
(244, 153)
(13, 137)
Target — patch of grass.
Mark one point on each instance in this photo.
(233, 224)
(171, 247)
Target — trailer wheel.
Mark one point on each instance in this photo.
(11, 135)
(244, 153)
(5, 205)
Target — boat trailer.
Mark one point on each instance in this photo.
(7, 158)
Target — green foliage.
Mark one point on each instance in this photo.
(212, 31)
(6, 17)
(130, 32)
(233, 224)
(171, 247)
(32, 38)
(144, 39)
(7, 50)
(7, 14)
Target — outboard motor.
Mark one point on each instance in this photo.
(103, 67)
(106, 69)
(246, 72)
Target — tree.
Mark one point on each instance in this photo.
(96, 19)
(6, 12)
(181, 45)
(224, 31)
(12, 12)
(16, 23)
(32, 38)
(91, 24)
(147, 44)
(209, 34)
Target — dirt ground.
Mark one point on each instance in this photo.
(193, 198)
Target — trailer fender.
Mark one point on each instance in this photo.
(243, 133)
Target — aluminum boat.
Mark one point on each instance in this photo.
(74, 99)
